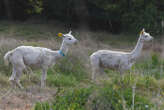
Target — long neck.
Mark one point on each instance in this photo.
(64, 48)
(137, 50)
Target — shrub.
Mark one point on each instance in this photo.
(112, 97)
(70, 100)
(67, 72)
(61, 80)
(71, 65)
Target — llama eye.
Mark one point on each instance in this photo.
(69, 38)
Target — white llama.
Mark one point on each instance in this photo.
(117, 60)
(38, 57)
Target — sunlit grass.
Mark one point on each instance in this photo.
(71, 75)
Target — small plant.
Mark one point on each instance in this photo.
(155, 60)
(42, 106)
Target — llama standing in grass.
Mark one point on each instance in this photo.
(38, 57)
(117, 60)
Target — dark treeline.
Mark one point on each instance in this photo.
(112, 15)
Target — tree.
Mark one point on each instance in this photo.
(7, 9)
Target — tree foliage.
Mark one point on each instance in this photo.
(112, 15)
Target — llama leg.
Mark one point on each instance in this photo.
(13, 75)
(121, 72)
(11, 79)
(102, 71)
(95, 67)
(29, 72)
(121, 69)
(18, 75)
(43, 78)
(20, 68)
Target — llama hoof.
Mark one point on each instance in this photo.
(11, 79)
(19, 84)
(13, 84)
(21, 87)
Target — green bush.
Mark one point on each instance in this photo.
(72, 65)
(112, 97)
(74, 99)
(69, 71)
(61, 80)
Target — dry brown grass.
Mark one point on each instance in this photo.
(26, 99)
(45, 36)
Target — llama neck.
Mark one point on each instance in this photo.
(63, 49)
(137, 50)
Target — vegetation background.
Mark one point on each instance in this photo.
(97, 24)
(111, 15)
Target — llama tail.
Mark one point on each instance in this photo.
(7, 57)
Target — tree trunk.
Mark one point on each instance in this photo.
(8, 9)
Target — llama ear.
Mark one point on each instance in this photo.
(143, 30)
(60, 34)
(70, 32)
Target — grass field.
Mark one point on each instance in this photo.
(69, 85)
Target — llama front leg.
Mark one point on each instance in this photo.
(17, 78)
(43, 78)
(94, 73)
(95, 67)
(13, 74)
(121, 72)
(122, 68)
(19, 84)
(11, 79)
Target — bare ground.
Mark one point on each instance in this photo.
(16, 99)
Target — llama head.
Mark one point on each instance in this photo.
(68, 38)
(144, 36)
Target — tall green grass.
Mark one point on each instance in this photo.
(74, 99)
(109, 96)
(153, 66)
(113, 94)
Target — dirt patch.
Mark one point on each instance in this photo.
(17, 99)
